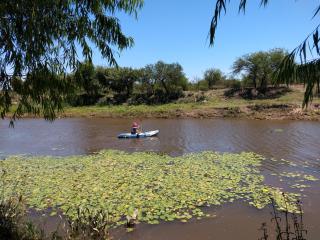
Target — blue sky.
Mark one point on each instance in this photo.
(177, 30)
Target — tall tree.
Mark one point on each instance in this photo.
(87, 84)
(42, 38)
(249, 65)
(168, 76)
(308, 69)
(259, 67)
(119, 80)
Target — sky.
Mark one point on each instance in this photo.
(177, 31)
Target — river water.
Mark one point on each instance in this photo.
(296, 141)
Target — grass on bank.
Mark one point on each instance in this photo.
(214, 104)
(215, 100)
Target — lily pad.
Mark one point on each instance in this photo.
(160, 187)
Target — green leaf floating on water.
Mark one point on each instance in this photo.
(299, 176)
(161, 187)
(310, 178)
(279, 130)
(299, 186)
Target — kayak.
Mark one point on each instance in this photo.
(139, 135)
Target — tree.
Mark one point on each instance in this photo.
(168, 78)
(119, 80)
(213, 77)
(259, 67)
(87, 85)
(39, 40)
(308, 69)
(248, 65)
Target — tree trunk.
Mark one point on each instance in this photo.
(164, 86)
(129, 88)
(255, 81)
(263, 85)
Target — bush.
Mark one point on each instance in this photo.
(86, 224)
(106, 100)
(12, 223)
(234, 84)
(257, 93)
(159, 96)
(84, 100)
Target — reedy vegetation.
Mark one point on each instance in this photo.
(285, 224)
(14, 224)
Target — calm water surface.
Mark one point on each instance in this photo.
(297, 141)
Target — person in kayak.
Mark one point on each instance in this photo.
(135, 128)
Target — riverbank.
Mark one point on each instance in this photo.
(213, 105)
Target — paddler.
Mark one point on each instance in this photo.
(135, 128)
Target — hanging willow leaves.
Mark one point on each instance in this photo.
(42, 39)
(307, 71)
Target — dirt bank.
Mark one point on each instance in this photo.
(285, 104)
(253, 111)
(263, 112)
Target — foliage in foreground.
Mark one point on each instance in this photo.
(15, 226)
(160, 187)
(12, 226)
(287, 225)
(94, 225)
(41, 39)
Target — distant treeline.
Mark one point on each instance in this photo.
(163, 83)
(154, 84)
(157, 83)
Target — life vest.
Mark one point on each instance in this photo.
(134, 128)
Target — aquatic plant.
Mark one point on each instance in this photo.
(159, 187)
(85, 225)
(13, 225)
(285, 224)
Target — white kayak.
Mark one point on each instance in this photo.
(139, 135)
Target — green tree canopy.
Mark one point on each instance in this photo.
(168, 76)
(213, 77)
(308, 52)
(119, 80)
(259, 67)
(87, 88)
(40, 39)
(154, 84)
